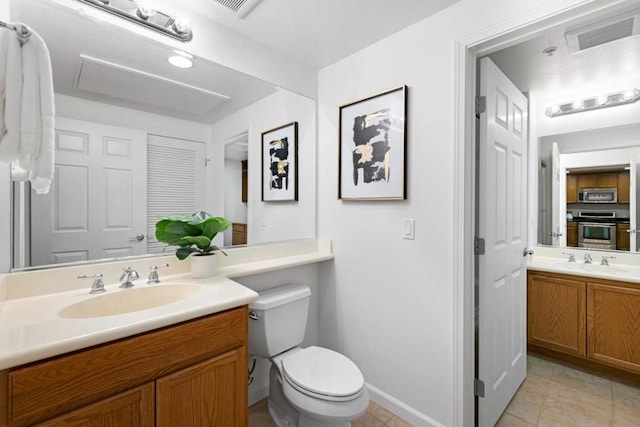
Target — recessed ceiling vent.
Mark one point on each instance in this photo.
(605, 31)
(241, 7)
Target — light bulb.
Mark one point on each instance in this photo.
(145, 11)
(577, 105)
(602, 100)
(181, 26)
(555, 109)
(628, 94)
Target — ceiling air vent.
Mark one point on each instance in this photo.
(605, 31)
(241, 7)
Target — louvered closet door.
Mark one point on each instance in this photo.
(175, 181)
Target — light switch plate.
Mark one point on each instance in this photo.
(409, 228)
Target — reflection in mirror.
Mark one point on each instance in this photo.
(138, 139)
(588, 189)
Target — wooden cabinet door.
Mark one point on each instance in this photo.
(572, 188)
(212, 393)
(572, 233)
(556, 314)
(245, 181)
(624, 187)
(588, 180)
(607, 180)
(130, 408)
(613, 325)
(623, 238)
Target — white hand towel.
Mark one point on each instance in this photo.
(10, 95)
(37, 136)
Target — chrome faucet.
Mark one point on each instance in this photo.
(97, 286)
(587, 258)
(572, 257)
(605, 260)
(127, 277)
(153, 273)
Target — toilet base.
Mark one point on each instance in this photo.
(285, 415)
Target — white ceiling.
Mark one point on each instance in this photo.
(565, 73)
(314, 33)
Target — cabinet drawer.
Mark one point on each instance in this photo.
(47, 389)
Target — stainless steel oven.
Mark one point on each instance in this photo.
(597, 235)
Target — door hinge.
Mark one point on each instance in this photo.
(478, 387)
(478, 246)
(481, 105)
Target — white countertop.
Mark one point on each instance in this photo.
(623, 267)
(31, 327)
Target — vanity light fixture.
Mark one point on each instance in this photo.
(181, 59)
(628, 96)
(141, 13)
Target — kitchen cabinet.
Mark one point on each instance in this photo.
(598, 180)
(572, 233)
(613, 325)
(624, 187)
(572, 188)
(555, 314)
(592, 322)
(239, 234)
(110, 384)
(623, 237)
(245, 181)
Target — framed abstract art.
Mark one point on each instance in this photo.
(372, 147)
(280, 164)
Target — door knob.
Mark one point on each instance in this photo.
(527, 251)
(137, 238)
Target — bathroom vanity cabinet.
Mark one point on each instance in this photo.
(595, 321)
(192, 373)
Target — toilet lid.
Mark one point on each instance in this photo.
(324, 372)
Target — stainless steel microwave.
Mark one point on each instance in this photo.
(598, 195)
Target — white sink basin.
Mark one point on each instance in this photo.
(129, 300)
(591, 267)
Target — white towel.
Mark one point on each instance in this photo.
(10, 95)
(37, 135)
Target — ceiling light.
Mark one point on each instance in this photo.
(145, 11)
(145, 16)
(601, 100)
(593, 103)
(181, 59)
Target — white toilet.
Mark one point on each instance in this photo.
(308, 387)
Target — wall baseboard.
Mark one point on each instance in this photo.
(401, 409)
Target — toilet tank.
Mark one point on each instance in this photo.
(278, 319)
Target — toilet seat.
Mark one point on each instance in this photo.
(323, 374)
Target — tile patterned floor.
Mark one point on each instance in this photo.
(552, 395)
(376, 416)
(557, 395)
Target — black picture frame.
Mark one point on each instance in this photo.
(280, 163)
(372, 147)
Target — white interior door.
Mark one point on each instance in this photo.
(634, 198)
(98, 201)
(559, 199)
(502, 223)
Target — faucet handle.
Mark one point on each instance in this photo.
(153, 273)
(605, 259)
(98, 285)
(587, 258)
(572, 256)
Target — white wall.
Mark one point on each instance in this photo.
(271, 222)
(386, 302)
(234, 209)
(5, 188)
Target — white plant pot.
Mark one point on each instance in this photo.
(203, 266)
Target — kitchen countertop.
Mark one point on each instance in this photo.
(32, 329)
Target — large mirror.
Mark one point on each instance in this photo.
(583, 163)
(138, 139)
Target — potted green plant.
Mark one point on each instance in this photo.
(193, 234)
